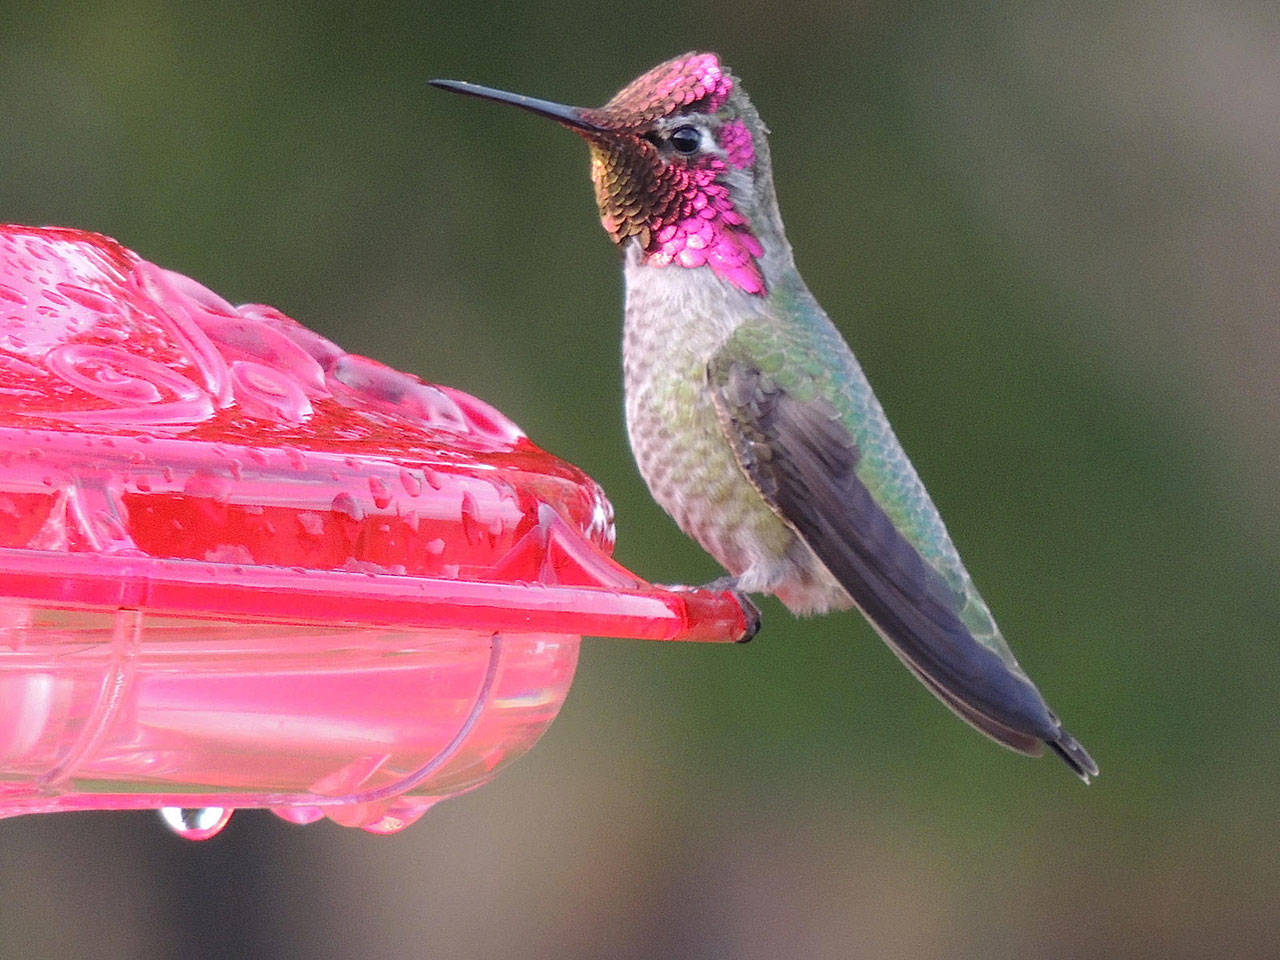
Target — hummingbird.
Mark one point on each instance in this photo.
(749, 417)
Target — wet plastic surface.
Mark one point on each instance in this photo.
(241, 567)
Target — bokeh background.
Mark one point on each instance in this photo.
(1049, 230)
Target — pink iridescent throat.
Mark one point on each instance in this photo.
(708, 230)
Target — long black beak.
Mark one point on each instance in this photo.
(570, 116)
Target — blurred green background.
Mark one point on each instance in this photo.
(1049, 230)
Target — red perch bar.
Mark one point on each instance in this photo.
(240, 567)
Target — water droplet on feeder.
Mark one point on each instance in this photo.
(196, 823)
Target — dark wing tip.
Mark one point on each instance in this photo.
(1063, 744)
(1074, 755)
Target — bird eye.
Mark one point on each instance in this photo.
(686, 139)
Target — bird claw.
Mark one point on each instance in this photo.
(751, 612)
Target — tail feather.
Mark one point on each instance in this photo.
(1074, 755)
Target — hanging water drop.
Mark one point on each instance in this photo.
(196, 823)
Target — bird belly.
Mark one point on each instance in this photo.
(690, 468)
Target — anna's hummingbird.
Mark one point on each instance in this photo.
(751, 420)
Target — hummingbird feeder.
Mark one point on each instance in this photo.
(240, 567)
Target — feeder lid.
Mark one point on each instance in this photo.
(164, 450)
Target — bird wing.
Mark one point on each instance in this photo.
(803, 459)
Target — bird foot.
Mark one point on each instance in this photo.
(726, 584)
(720, 584)
(752, 613)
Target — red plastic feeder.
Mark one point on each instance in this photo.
(242, 568)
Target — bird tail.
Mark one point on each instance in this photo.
(1063, 744)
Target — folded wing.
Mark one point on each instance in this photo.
(804, 460)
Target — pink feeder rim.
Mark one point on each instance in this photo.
(240, 567)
